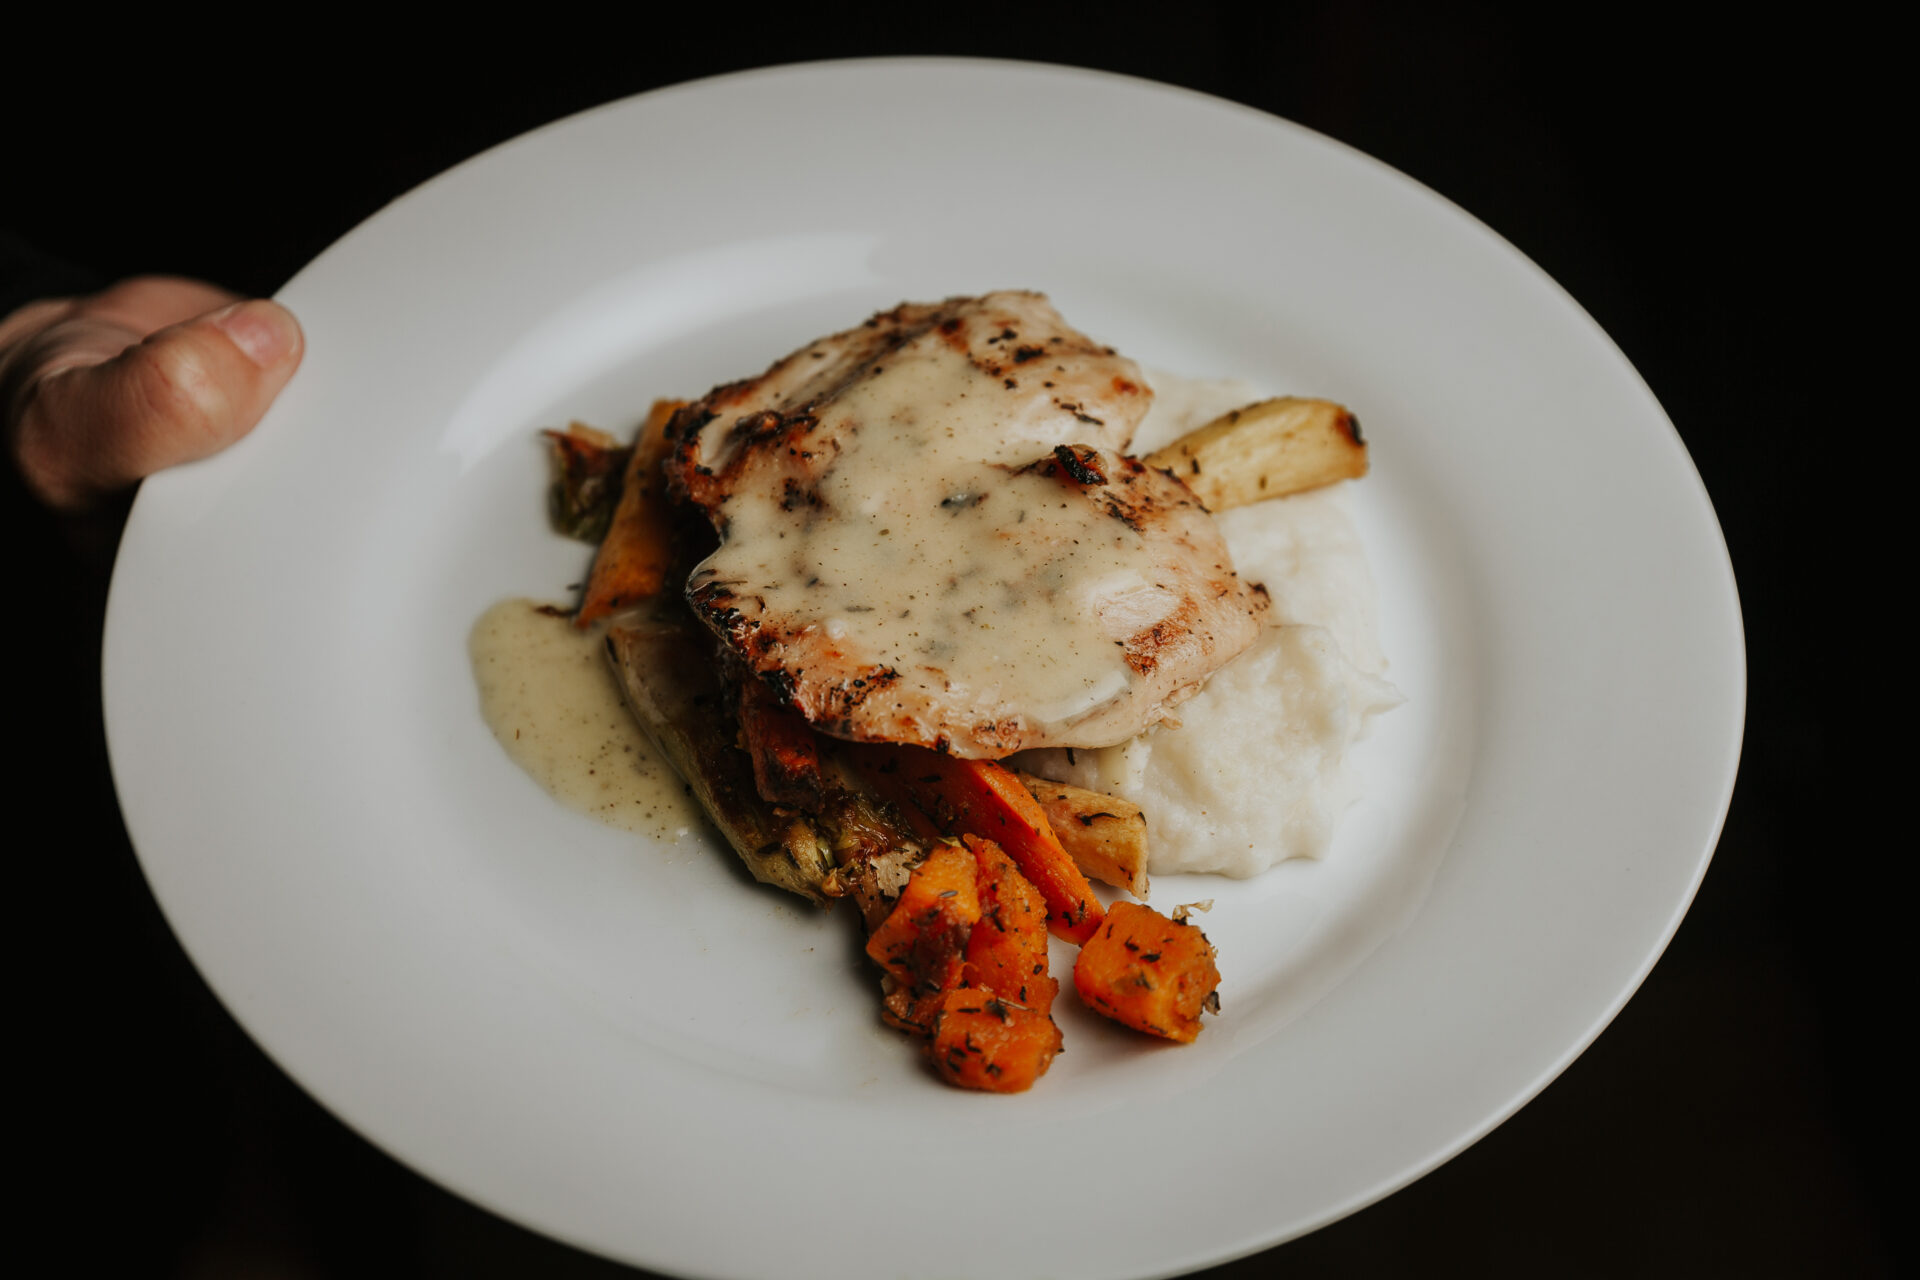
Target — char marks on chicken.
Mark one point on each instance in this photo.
(930, 533)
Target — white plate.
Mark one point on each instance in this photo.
(620, 1044)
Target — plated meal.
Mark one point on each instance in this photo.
(608, 1036)
(957, 612)
(599, 1030)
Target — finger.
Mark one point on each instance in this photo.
(146, 303)
(179, 394)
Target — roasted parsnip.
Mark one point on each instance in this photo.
(1266, 450)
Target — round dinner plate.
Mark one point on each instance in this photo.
(621, 1042)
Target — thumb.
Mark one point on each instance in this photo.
(92, 426)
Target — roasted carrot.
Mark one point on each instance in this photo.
(1104, 835)
(923, 944)
(981, 1041)
(1148, 972)
(634, 557)
(979, 797)
(1007, 953)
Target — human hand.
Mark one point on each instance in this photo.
(97, 393)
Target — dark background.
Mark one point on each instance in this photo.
(1683, 183)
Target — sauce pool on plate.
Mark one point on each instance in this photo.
(549, 697)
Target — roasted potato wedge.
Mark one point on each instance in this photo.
(1266, 450)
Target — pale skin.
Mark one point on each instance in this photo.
(99, 392)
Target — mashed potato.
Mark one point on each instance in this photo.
(1254, 773)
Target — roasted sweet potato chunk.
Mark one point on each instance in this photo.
(923, 944)
(1148, 972)
(981, 1041)
(1007, 953)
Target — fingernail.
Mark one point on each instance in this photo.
(265, 331)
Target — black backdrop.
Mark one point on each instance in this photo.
(1731, 1121)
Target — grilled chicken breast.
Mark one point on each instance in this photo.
(930, 533)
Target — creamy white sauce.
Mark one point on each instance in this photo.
(1015, 617)
(1255, 772)
(548, 694)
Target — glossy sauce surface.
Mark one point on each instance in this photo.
(942, 561)
(549, 696)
